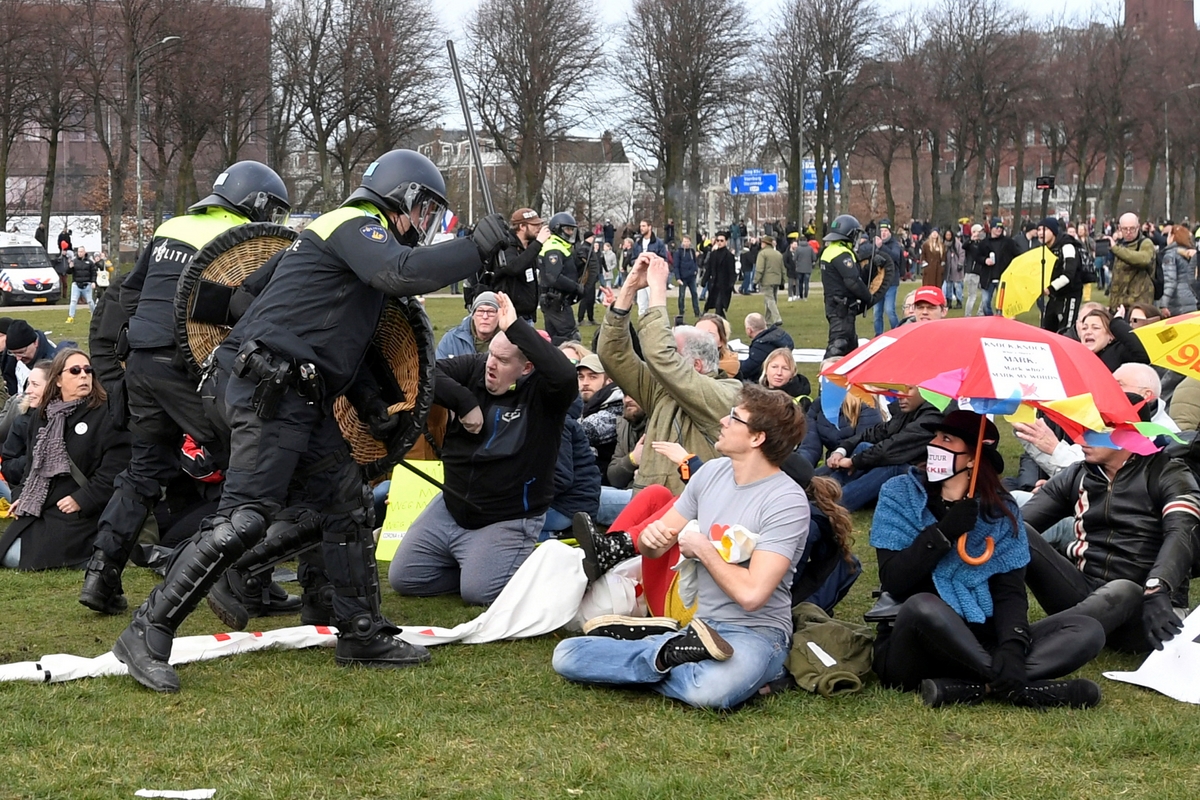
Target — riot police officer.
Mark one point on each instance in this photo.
(300, 345)
(1065, 292)
(845, 293)
(162, 397)
(559, 279)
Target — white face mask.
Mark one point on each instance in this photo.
(939, 463)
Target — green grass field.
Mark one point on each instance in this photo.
(495, 721)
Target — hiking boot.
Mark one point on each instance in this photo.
(102, 590)
(938, 692)
(601, 551)
(697, 642)
(1077, 693)
(381, 650)
(145, 661)
(616, 626)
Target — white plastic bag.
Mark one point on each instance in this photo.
(618, 591)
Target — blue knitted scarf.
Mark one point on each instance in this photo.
(901, 514)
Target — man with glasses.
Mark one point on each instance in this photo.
(300, 346)
(1133, 265)
(475, 332)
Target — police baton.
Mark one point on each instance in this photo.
(451, 492)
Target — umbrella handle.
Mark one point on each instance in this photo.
(978, 455)
(979, 560)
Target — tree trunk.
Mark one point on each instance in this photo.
(935, 175)
(51, 174)
(1019, 181)
(1148, 188)
(914, 153)
(4, 151)
(1118, 184)
(819, 165)
(889, 198)
(994, 176)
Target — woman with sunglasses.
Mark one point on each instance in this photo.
(75, 452)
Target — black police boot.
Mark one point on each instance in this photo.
(145, 646)
(246, 590)
(938, 692)
(371, 641)
(697, 642)
(601, 551)
(102, 590)
(238, 596)
(1077, 693)
(316, 601)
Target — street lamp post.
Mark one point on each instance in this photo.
(1167, 138)
(137, 127)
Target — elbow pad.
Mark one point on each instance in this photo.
(427, 269)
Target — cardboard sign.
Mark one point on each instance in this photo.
(407, 498)
(1022, 369)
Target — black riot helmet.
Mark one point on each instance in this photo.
(843, 229)
(251, 189)
(559, 224)
(406, 182)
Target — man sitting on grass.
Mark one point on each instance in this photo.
(741, 633)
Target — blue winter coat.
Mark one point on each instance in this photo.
(823, 437)
(576, 476)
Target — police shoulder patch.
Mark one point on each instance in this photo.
(375, 232)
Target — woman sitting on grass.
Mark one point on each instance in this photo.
(956, 566)
(75, 453)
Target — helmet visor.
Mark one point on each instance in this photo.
(426, 210)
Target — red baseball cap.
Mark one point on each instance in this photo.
(929, 294)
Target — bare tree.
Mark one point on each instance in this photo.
(785, 62)
(16, 80)
(530, 66)
(681, 64)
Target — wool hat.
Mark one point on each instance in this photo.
(4, 323)
(485, 299)
(965, 425)
(20, 335)
(1051, 224)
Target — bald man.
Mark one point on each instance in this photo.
(1133, 265)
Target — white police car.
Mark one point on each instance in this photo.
(26, 275)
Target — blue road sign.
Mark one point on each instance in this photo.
(810, 177)
(754, 182)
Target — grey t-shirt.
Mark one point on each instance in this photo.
(775, 508)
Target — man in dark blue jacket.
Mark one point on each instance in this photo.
(685, 270)
(499, 455)
(764, 340)
(576, 475)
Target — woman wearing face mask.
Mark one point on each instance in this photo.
(955, 566)
(74, 453)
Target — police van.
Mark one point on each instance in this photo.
(26, 275)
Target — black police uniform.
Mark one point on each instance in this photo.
(845, 296)
(559, 281)
(1066, 285)
(163, 403)
(298, 347)
(516, 277)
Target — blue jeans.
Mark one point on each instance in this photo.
(612, 503)
(758, 657)
(12, 559)
(953, 290)
(78, 291)
(987, 299)
(888, 302)
(555, 521)
(862, 488)
(748, 282)
(684, 285)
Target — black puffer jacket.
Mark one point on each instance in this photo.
(1142, 525)
(900, 440)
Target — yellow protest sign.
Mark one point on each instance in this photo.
(407, 498)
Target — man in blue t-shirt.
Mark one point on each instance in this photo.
(741, 632)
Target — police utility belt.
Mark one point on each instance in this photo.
(275, 374)
(554, 300)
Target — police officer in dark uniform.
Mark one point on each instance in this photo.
(559, 279)
(1065, 292)
(162, 397)
(299, 346)
(846, 295)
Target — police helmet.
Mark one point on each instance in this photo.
(843, 229)
(560, 222)
(406, 182)
(251, 189)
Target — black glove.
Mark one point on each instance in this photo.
(581, 290)
(1008, 667)
(1159, 619)
(961, 518)
(381, 423)
(490, 236)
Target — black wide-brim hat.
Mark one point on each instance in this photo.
(965, 425)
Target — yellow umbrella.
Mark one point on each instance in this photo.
(1024, 281)
(1174, 343)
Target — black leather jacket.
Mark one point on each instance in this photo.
(1141, 525)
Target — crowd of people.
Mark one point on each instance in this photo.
(729, 477)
